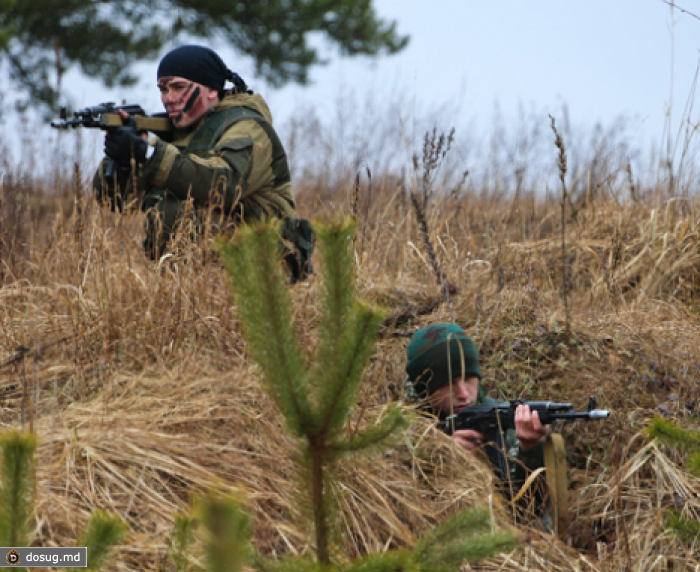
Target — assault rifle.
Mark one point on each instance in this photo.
(106, 116)
(494, 420)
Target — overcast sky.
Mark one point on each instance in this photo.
(603, 58)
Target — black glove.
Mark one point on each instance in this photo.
(119, 143)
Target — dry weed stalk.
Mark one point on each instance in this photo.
(356, 198)
(79, 203)
(566, 264)
(457, 196)
(356, 205)
(632, 186)
(501, 283)
(435, 148)
(13, 224)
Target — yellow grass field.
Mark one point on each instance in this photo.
(134, 374)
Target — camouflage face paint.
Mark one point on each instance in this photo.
(190, 101)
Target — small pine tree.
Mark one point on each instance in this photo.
(316, 401)
(180, 543)
(228, 525)
(16, 480)
(102, 532)
(684, 440)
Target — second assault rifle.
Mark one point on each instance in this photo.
(494, 420)
(106, 116)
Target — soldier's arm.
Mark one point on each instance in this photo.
(237, 166)
(523, 461)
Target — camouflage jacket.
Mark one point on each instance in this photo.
(244, 162)
(520, 463)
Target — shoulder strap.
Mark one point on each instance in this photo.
(555, 462)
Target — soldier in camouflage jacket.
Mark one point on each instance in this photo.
(444, 373)
(222, 160)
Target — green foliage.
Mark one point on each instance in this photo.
(347, 331)
(687, 529)
(290, 564)
(102, 532)
(264, 308)
(317, 401)
(180, 542)
(228, 527)
(693, 464)
(462, 538)
(106, 38)
(393, 561)
(673, 435)
(6, 31)
(17, 481)
(684, 440)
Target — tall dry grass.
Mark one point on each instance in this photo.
(135, 376)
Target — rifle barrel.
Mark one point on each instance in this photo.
(594, 414)
(547, 405)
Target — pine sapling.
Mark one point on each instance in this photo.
(684, 440)
(102, 533)
(181, 541)
(229, 530)
(316, 402)
(17, 486)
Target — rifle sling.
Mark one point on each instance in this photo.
(494, 448)
(555, 463)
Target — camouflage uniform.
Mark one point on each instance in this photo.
(438, 353)
(520, 463)
(229, 166)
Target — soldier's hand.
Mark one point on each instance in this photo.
(469, 439)
(124, 142)
(528, 427)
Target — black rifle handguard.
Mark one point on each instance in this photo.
(483, 418)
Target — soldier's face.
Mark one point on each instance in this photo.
(452, 397)
(185, 101)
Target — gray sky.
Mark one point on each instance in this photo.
(603, 58)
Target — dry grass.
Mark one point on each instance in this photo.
(135, 376)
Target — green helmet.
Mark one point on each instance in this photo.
(437, 354)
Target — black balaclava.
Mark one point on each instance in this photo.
(201, 65)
